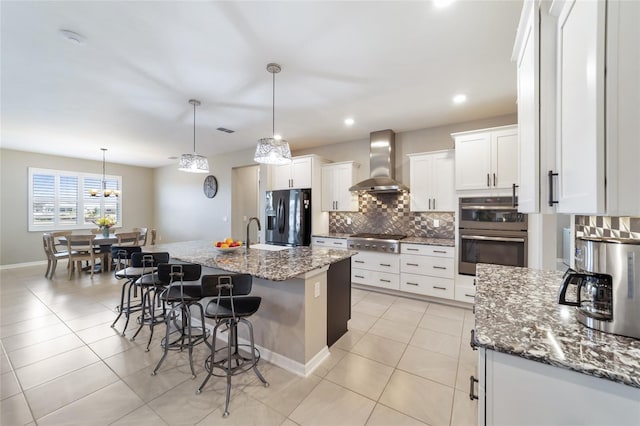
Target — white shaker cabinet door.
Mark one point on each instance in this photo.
(473, 161)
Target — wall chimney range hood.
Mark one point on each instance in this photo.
(382, 159)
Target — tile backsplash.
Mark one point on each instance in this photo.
(608, 226)
(389, 213)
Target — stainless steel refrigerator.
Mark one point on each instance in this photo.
(288, 215)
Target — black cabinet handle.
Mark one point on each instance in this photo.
(494, 179)
(514, 203)
(439, 288)
(337, 243)
(385, 264)
(434, 203)
(550, 175)
(412, 264)
(412, 283)
(385, 281)
(359, 276)
(440, 251)
(469, 295)
(359, 261)
(412, 249)
(488, 184)
(429, 203)
(472, 381)
(472, 342)
(439, 267)
(320, 241)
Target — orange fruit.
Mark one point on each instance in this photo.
(228, 240)
(224, 245)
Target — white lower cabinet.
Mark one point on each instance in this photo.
(517, 391)
(376, 269)
(329, 242)
(465, 288)
(427, 270)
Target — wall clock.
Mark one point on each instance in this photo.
(210, 186)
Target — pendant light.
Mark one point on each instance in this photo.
(194, 163)
(105, 192)
(273, 150)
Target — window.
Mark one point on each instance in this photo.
(60, 200)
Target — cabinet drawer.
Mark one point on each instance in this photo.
(377, 279)
(381, 262)
(330, 242)
(426, 250)
(426, 265)
(465, 293)
(429, 286)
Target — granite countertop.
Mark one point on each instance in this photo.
(332, 235)
(445, 242)
(271, 265)
(517, 312)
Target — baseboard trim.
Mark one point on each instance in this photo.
(23, 265)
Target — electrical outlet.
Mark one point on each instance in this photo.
(348, 221)
(316, 290)
(436, 223)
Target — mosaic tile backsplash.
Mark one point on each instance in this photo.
(384, 213)
(608, 226)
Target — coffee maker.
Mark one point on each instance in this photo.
(607, 280)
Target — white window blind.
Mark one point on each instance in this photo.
(61, 200)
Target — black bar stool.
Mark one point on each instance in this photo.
(124, 270)
(231, 306)
(183, 292)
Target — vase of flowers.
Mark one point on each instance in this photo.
(104, 223)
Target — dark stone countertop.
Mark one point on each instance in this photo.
(444, 242)
(332, 235)
(517, 312)
(270, 265)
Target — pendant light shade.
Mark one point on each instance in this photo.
(105, 192)
(273, 150)
(194, 163)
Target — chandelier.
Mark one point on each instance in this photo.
(273, 150)
(194, 163)
(105, 192)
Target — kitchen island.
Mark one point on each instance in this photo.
(538, 365)
(290, 328)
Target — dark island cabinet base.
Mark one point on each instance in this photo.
(338, 299)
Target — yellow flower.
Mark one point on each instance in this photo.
(105, 222)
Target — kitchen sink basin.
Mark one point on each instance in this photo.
(269, 247)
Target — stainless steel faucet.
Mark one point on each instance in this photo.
(251, 219)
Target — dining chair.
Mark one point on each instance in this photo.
(143, 235)
(81, 247)
(153, 237)
(53, 254)
(128, 238)
(46, 237)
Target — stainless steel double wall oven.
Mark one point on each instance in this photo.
(491, 231)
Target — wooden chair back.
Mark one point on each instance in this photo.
(128, 238)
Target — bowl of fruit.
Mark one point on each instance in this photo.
(227, 246)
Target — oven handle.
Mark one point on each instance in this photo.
(505, 239)
(495, 207)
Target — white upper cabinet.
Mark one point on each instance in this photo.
(486, 159)
(337, 178)
(597, 112)
(432, 181)
(297, 174)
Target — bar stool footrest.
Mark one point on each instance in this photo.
(242, 363)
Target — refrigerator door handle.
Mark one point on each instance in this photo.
(281, 215)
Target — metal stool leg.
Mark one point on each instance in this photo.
(253, 354)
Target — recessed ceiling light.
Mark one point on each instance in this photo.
(459, 99)
(349, 121)
(72, 36)
(442, 3)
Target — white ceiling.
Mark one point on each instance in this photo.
(126, 87)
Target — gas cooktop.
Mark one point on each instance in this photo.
(389, 243)
(378, 236)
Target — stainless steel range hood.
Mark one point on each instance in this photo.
(382, 158)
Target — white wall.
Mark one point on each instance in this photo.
(183, 212)
(17, 244)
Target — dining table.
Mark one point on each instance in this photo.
(104, 248)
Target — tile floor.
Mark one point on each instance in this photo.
(403, 362)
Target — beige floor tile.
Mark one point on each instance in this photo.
(289, 422)
(286, 390)
(38, 352)
(336, 354)
(410, 304)
(465, 411)
(385, 416)
(393, 330)
(103, 317)
(245, 411)
(143, 416)
(149, 387)
(464, 372)
(15, 411)
(330, 404)
(361, 321)
(436, 342)
(57, 393)
(357, 295)
(379, 349)
(5, 365)
(97, 332)
(23, 312)
(55, 366)
(467, 354)
(29, 325)
(370, 308)
(135, 359)
(8, 385)
(427, 401)
(99, 408)
(77, 309)
(402, 315)
(441, 324)
(192, 408)
(381, 299)
(361, 375)
(348, 340)
(446, 311)
(112, 345)
(32, 337)
(430, 365)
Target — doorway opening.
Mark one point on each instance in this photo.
(245, 201)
